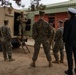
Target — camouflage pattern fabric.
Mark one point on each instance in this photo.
(59, 46)
(6, 41)
(41, 32)
(22, 24)
(51, 39)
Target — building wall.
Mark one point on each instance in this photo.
(58, 16)
(37, 17)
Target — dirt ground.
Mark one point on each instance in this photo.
(21, 65)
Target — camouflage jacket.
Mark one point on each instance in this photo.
(59, 34)
(5, 33)
(52, 33)
(22, 20)
(41, 30)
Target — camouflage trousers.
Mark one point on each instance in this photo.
(22, 29)
(52, 43)
(7, 49)
(58, 47)
(46, 47)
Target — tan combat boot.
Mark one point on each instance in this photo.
(33, 64)
(5, 59)
(61, 61)
(11, 59)
(56, 61)
(50, 63)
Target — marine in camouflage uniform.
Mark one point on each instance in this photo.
(41, 33)
(6, 41)
(51, 39)
(22, 19)
(59, 46)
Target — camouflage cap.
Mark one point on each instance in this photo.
(41, 12)
(5, 21)
(60, 21)
(51, 24)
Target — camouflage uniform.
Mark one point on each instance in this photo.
(22, 24)
(51, 39)
(59, 46)
(41, 33)
(6, 42)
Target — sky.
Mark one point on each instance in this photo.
(27, 3)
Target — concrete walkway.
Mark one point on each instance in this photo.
(30, 42)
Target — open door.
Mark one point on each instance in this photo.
(29, 23)
(14, 41)
(16, 24)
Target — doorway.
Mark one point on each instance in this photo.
(52, 20)
(16, 24)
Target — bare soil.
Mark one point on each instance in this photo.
(21, 65)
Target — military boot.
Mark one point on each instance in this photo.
(50, 63)
(75, 70)
(56, 61)
(10, 58)
(33, 64)
(68, 72)
(5, 59)
(61, 61)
